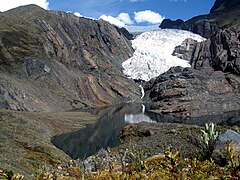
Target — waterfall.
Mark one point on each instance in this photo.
(143, 109)
(142, 91)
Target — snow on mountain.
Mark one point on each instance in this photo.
(153, 53)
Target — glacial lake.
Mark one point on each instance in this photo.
(104, 133)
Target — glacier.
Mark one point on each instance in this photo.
(153, 53)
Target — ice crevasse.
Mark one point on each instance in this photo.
(153, 53)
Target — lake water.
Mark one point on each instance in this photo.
(104, 133)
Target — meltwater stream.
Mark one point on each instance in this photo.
(104, 133)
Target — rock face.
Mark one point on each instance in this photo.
(125, 32)
(221, 52)
(56, 61)
(204, 27)
(186, 49)
(186, 92)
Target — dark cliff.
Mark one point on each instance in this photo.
(54, 60)
(224, 5)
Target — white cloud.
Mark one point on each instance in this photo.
(148, 16)
(112, 20)
(9, 4)
(121, 20)
(77, 14)
(125, 18)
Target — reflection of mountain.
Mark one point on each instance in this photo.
(104, 133)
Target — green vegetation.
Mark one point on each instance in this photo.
(165, 166)
(9, 175)
(210, 135)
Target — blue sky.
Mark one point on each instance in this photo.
(173, 9)
(123, 12)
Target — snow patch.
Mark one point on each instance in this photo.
(153, 53)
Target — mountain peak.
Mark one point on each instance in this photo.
(223, 5)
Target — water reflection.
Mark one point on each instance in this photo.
(104, 133)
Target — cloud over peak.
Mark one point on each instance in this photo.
(125, 18)
(148, 16)
(112, 20)
(9, 4)
(121, 20)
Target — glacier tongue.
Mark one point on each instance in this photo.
(153, 53)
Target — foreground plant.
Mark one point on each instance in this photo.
(10, 175)
(210, 135)
(167, 166)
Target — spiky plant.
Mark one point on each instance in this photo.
(210, 135)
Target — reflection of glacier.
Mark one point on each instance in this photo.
(137, 118)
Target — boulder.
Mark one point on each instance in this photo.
(220, 154)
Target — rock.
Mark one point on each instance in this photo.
(185, 138)
(130, 130)
(125, 32)
(221, 52)
(54, 60)
(204, 27)
(220, 150)
(186, 49)
(169, 24)
(186, 92)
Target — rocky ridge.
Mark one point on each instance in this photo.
(186, 92)
(53, 60)
(223, 14)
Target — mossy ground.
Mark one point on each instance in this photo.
(25, 138)
(166, 167)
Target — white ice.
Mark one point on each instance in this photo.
(153, 53)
